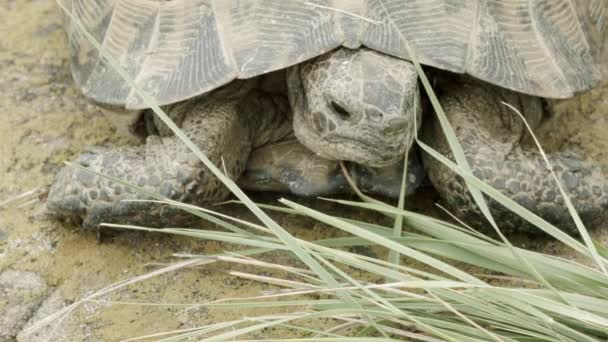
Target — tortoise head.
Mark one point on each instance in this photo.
(356, 105)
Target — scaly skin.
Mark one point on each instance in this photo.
(225, 131)
(499, 150)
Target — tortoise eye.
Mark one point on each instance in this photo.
(342, 113)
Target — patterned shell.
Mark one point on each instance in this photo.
(176, 49)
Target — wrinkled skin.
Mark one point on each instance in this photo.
(374, 126)
(501, 153)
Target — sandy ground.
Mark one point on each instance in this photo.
(45, 121)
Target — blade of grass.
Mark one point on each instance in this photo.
(577, 219)
(393, 256)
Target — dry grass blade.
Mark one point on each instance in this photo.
(109, 289)
(16, 198)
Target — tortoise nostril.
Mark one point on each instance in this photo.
(341, 111)
(397, 127)
(374, 115)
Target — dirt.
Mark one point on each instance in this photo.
(46, 121)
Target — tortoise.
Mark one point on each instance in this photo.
(352, 95)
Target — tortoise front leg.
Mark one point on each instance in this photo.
(497, 146)
(223, 130)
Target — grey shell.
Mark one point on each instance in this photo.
(178, 49)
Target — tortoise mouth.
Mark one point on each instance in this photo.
(365, 149)
(369, 146)
(376, 153)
